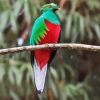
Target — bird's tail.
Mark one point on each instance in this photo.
(40, 77)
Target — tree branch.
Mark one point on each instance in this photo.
(49, 46)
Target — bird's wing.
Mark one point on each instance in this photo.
(38, 31)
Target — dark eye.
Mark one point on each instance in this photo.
(49, 6)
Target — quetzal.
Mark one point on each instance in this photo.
(46, 29)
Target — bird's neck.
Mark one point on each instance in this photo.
(51, 16)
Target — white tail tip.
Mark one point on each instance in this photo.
(40, 76)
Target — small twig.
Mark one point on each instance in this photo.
(49, 46)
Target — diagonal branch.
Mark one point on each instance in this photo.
(49, 46)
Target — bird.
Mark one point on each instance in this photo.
(46, 29)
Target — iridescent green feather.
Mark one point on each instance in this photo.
(39, 29)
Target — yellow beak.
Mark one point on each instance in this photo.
(59, 8)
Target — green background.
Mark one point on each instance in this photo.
(74, 75)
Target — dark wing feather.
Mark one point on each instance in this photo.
(32, 58)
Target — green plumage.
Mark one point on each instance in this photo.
(39, 29)
(41, 34)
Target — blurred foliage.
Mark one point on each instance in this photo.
(74, 75)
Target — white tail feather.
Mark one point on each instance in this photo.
(40, 76)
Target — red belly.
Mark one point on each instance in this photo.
(52, 36)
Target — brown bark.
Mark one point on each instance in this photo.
(49, 46)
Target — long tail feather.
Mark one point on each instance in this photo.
(40, 76)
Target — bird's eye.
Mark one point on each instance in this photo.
(49, 6)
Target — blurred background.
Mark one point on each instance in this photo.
(74, 75)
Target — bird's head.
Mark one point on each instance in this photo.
(50, 6)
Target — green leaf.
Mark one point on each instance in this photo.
(3, 20)
(97, 29)
(54, 73)
(27, 11)
(68, 26)
(13, 23)
(14, 95)
(18, 4)
(52, 86)
(2, 72)
(81, 26)
(11, 76)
